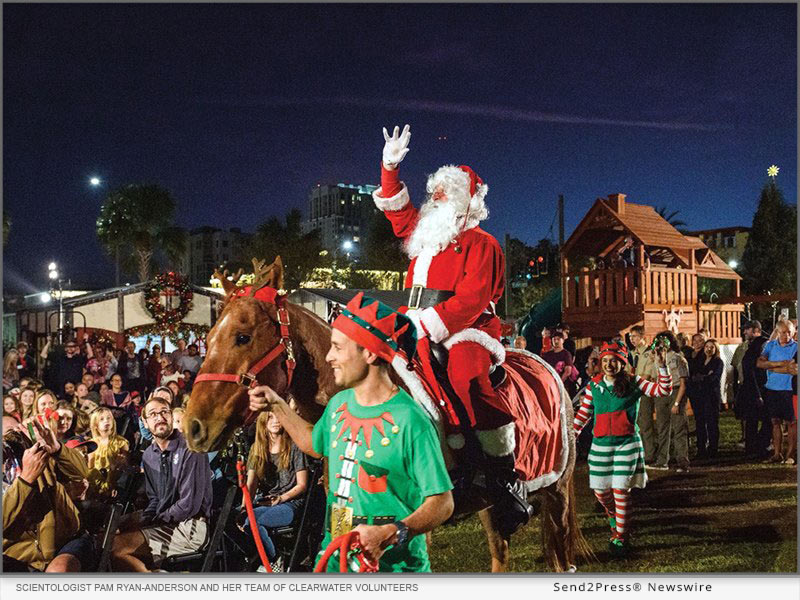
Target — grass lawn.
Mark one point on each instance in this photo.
(728, 515)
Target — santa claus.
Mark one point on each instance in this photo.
(455, 278)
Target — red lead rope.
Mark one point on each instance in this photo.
(345, 544)
(249, 380)
(241, 469)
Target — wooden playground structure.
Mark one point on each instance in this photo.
(654, 283)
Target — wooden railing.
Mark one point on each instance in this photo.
(723, 321)
(664, 286)
(603, 288)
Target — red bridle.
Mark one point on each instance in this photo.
(249, 379)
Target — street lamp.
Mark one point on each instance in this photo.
(733, 263)
(55, 280)
(347, 246)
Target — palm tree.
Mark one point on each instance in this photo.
(671, 218)
(136, 221)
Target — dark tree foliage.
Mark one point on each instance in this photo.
(300, 253)
(769, 263)
(382, 249)
(672, 218)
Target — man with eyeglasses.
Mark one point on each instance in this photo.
(178, 484)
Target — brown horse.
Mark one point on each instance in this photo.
(248, 329)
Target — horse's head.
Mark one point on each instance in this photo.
(246, 332)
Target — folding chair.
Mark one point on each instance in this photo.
(210, 552)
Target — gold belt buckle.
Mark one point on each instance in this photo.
(341, 520)
(413, 304)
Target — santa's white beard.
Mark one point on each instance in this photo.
(439, 224)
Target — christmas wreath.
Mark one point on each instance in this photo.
(168, 319)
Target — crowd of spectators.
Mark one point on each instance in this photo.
(763, 393)
(74, 431)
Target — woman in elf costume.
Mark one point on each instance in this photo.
(616, 458)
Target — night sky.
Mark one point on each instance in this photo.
(240, 110)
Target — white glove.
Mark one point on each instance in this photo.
(414, 316)
(396, 146)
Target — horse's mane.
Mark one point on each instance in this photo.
(311, 337)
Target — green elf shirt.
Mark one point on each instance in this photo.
(383, 461)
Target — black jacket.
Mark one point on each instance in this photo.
(709, 380)
(751, 392)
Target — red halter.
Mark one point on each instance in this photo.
(250, 378)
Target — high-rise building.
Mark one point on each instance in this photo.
(342, 214)
(210, 247)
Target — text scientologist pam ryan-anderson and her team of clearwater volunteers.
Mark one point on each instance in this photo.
(217, 587)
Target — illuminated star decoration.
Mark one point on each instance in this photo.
(355, 424)
(772, 171)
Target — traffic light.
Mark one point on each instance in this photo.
(543, 264)
(533, 269)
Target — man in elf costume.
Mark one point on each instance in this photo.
(455, 278)
(386, 474)
(616, 458)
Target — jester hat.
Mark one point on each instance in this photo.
(377, 328)
(614, 349)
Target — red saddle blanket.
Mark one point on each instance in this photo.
(531, 395)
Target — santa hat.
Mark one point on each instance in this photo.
(614, 349)
(377, 328)
(474, 179)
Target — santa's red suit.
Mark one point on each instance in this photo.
(472, 267)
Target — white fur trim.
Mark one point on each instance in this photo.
(456, 441)
(422, 265)
(558, 469)
(396, 202)
(498, 442)
(434, 324)
(417, 390)
(494, 347)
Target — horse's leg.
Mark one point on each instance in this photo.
(562, 539)
(498, 545)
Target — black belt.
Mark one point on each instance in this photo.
(421, 297)
(415, 297)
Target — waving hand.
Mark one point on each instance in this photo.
(396, 146)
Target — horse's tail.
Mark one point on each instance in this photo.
(562, 539)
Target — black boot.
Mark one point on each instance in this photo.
(507, 494)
